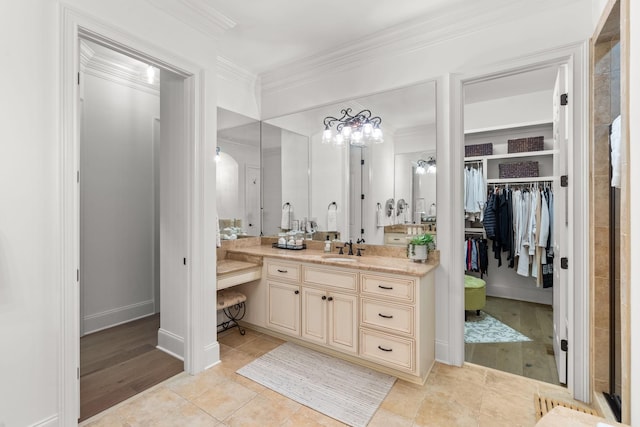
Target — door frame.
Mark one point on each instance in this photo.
(198, 353)
(576, 57)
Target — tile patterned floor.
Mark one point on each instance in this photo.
(452, 396)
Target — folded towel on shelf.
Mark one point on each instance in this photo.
(285, 221)
(332, 219)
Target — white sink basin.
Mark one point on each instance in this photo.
(339, 259)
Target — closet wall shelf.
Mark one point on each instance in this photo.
(509, 127)
(512, 155)
(520, 180)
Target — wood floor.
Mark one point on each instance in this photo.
(120, 362)
(533, 359)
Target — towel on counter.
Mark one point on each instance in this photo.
(285, 221)
(332, 219)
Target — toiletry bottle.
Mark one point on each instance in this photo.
(327, 245)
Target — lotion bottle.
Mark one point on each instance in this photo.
(327, 245)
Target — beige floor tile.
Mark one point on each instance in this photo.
(300, 420)
(105, 420)
(512, 406)
(187, 414)
(224, 401)
(149, 407)
(280, 399)
(403, 400)
(468, 373)
(384, 418)
(260, 412)
(251, 385)
(190, 387)
(437, 410)
(258, 346)
(319, 417)
(232, 337)
(508, 383)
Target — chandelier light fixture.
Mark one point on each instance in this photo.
(426, 166)
(357, 129)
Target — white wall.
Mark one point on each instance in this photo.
(117, 203)
(509, 111)
(634, 180)
(30, 168)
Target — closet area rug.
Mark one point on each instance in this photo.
(487, 329)
(341, 390)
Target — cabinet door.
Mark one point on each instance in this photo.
(314, 315)
(343, 322)
(284, 307)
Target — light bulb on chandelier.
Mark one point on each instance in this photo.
(359, 129)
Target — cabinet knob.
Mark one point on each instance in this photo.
(324, 297)
(296, 292)
(330, 298)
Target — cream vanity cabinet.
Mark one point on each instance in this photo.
(397, 321)
(330, 307)
(283, 296)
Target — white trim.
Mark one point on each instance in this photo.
(201, 286)
(111, 70)
(212, 354)
(197, 14)
(449, 23)
(171, 344)
(233, 72)
(117, 316)
(51, 421)
(576, 57)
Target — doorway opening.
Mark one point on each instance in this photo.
(129, 110)
(516, 140)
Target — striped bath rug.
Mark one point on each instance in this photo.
(341, 390)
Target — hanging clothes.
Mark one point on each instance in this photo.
(474, 192)
(476, 256)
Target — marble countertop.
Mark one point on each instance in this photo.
(383, 264)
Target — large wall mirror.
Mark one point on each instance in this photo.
(238, 175)
(345, 191)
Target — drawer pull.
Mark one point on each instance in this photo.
(385, 349)
(389, 288)
(385, 316)
(282, 271)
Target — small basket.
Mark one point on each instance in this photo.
(521, 145)
(518, 170)
(478, 150)
(289, 247)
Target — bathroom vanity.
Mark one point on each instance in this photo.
(376, 311)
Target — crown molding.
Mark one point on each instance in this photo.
(233, 72)
(197, 14)
(86, 53)
(112, 69)
(451, 23)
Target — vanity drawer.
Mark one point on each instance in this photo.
(388, 350)
(322, 276)
(283, 270)
(394, 317)
(389, 287)
(398, 239)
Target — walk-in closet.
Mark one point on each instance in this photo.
(515, 222)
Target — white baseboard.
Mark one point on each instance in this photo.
(171, 343)
(117, 316)
(211, 355)
(51, 421)
(442, 352)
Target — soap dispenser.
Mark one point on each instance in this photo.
(327, 245)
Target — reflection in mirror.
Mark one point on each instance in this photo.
(349, 187)
(415, 183)
(238, 175)
(285, 160)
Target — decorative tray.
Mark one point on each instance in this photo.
(290, 247)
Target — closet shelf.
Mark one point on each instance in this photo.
(509, 127)
(512, 155)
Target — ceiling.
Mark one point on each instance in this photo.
(269, 34)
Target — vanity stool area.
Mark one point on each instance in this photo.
(231, 273)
